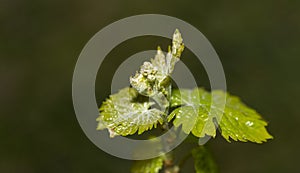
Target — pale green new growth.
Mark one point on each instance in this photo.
(197, 112)
(193, 114)
(153, 77)
(148, 166)
(197, 115)
(242, 123)
(124, 115)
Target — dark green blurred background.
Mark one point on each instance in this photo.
(257, 41)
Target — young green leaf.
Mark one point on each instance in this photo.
(203, 161)
(123, 114)
(148, 166)
(242, 123)
(193, 114)
(197, 115)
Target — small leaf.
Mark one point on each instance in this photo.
(198, 115)
(148, 166)
(242, 123)
(177, 44)
(154, 77)
(123, 114)
(144, 81)
(193, 114)
(203, 161)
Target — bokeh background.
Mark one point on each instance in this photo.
(40, 41)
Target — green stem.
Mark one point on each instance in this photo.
(162, 98)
